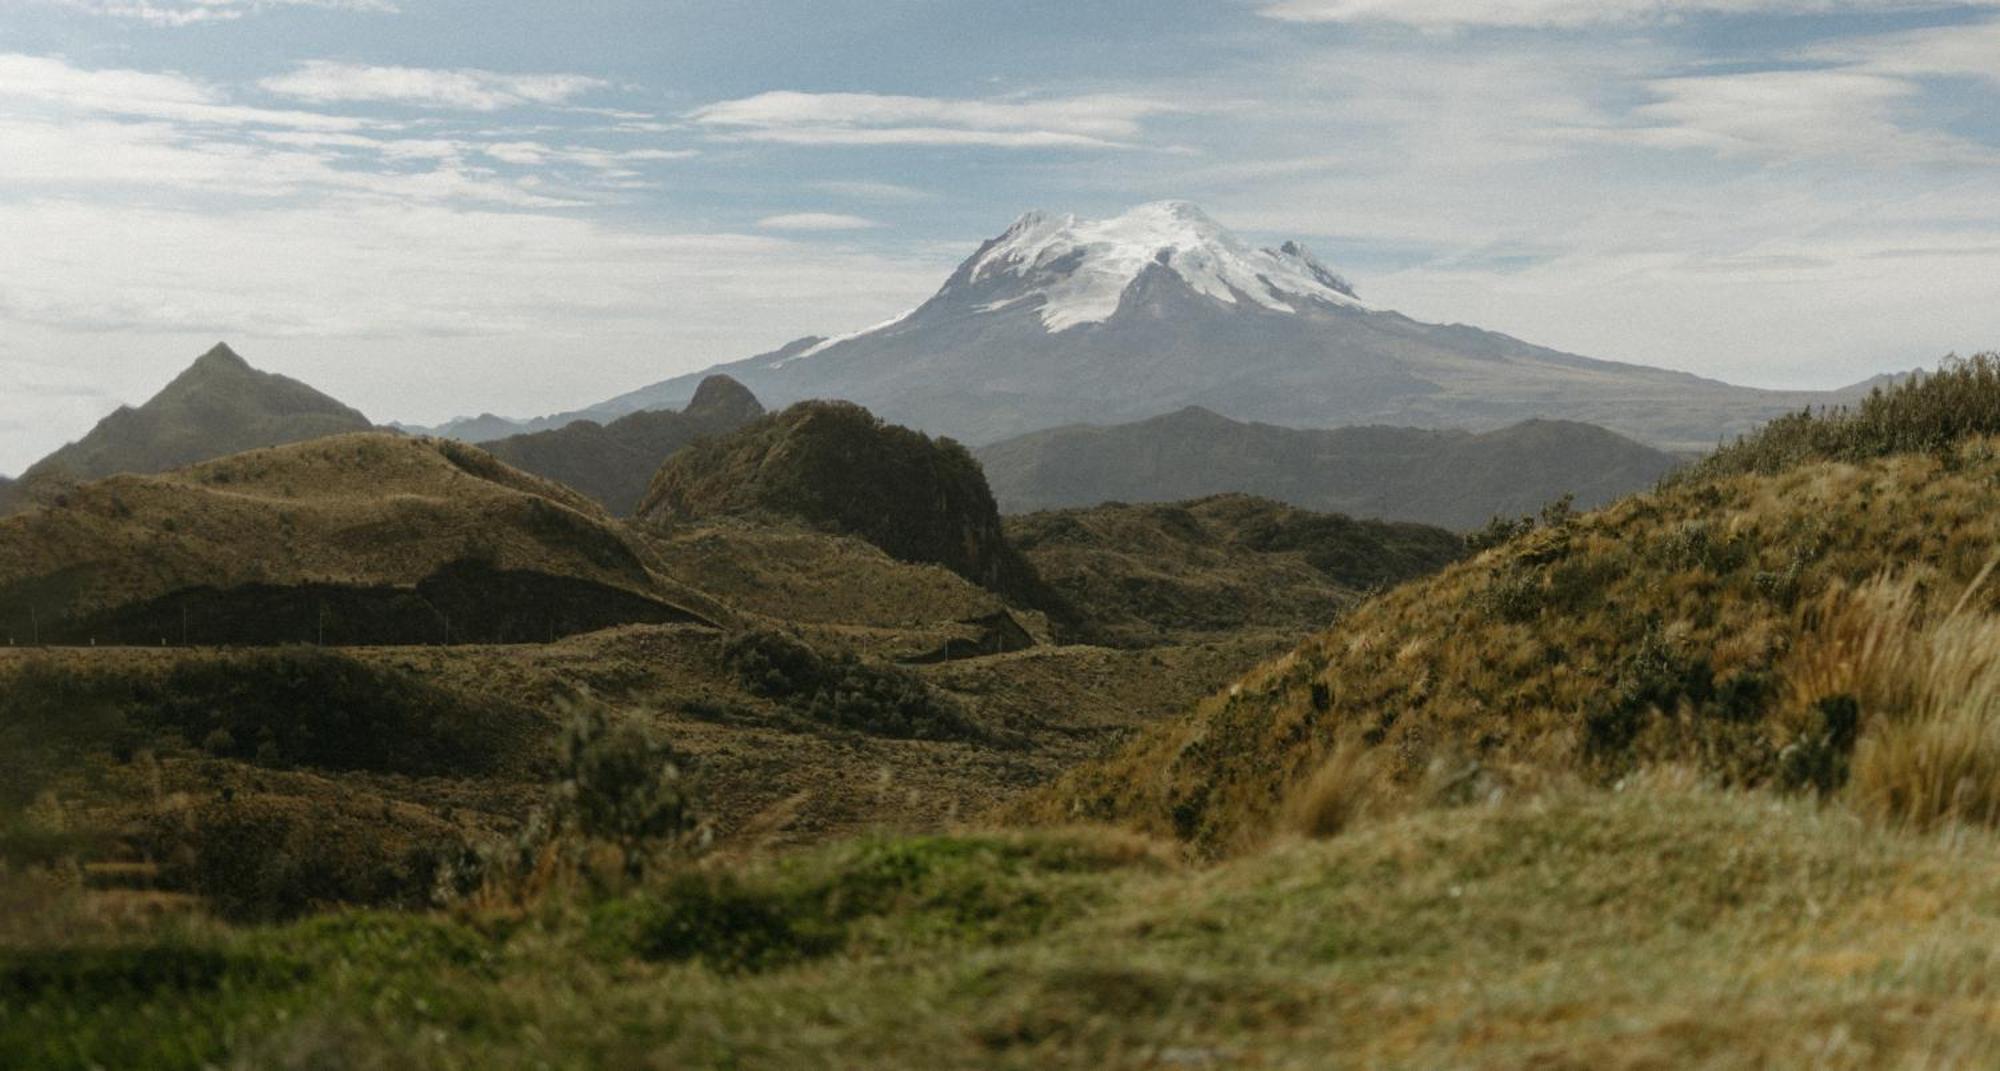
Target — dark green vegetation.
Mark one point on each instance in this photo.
(1455, 479)
(835, 465)
(219, 406)
(1226, 564)
(845, 690)
(614, 463)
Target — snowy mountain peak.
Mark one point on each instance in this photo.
(1080, 268)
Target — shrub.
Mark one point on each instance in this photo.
(623, 784)
(843, 690)
(1924, 414)
(276, 857)
(309, 707)
(51, 717)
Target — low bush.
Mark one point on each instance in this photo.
(275, 857)
(309, 707)
(844, 691)
(883, 893)
(1926, 413)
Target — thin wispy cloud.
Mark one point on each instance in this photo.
(171, 13)
(1573, 14)
(326, 81)
(816, 221)
(874, 191)
(1106, 121)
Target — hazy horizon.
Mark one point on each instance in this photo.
(429, 223)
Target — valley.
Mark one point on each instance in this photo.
(799, 737)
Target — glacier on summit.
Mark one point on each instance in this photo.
(1081, 268)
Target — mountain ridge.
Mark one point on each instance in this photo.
(1060, 320)
(1452, 478)
(614, 463)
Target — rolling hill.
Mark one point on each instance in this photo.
(614, 463)
(1455, 479)
(364, 538)
(1061, 320)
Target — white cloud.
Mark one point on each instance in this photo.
(489, 315)
(1793, 114)
(816, 221)
(538, 154)
(1937, 52)
(1568, 14)
(874, 191)
(1105, 121)
(326, 81)
(191, 12)
(54, 86)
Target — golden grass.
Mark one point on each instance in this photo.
(1926, 684)
(1661, 629)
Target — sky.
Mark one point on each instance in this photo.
(433, 208)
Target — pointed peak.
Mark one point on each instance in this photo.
(221, 356)
(722, 396)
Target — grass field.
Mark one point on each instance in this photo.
(1659, 926)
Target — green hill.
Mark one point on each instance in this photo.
(835, 465)
(614, 463)
(1456, 479)
(218, 406)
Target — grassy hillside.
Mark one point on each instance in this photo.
(389, 537)
(218, 406)
(1456, 479)
(835, 466)
(1152, 574)
(614, 463)
(1705, 623)
(1660, 927)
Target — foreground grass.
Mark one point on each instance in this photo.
(1656, 927)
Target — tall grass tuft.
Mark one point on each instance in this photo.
(1350, 785)
(1924, 692)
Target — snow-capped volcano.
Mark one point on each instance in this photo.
(1061, 320)
(1080, 269)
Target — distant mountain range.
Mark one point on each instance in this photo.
(613, 463)
(218, 406)
(1455, 479)
(1061, 320)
